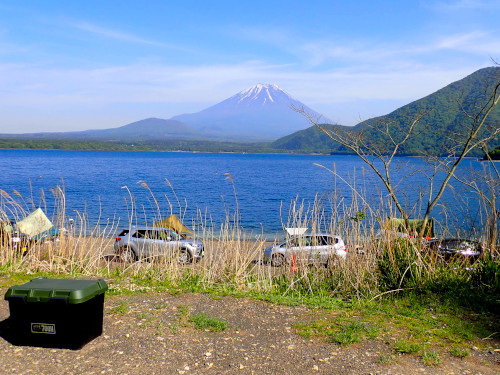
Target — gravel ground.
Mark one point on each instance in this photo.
(147, 335)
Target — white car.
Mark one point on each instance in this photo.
(143, 242)
(312, 248)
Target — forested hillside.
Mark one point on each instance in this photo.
(443, 125)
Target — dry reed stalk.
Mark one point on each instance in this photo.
(231, 258)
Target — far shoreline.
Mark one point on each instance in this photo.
(224, 152)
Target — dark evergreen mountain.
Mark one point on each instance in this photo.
(310, 140)
(261, 112)
(438, 130)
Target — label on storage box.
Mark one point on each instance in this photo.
(49, 329)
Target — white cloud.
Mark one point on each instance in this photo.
(344, 79)
(171, 90)
(463, 5)
(113, 34)
(340, 50)
(382, 56)
(476, 42)
(122, 36)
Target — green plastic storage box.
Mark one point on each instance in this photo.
(56, 313)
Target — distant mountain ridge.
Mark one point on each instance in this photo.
(262, 112)
(147, 129)
(150, 128)
(262, 118)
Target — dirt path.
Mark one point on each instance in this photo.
(147, 335)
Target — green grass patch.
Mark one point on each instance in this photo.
(426, 319)
(203, 321)
(460, 352)
(159, 328)
(146, 319)
(416, 324)
(407, 347)
(183, 315)
(200, 321)
(341, 330)
(174, 328)
(120, 309)
(386, 359)
(430, 358)
(354, 332)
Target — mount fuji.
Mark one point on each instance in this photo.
(260, 112)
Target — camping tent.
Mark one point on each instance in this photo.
(172, 222)
(398, 225)
(37, 226)
(295, 231)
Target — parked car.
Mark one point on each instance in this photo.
(142, 242)
(311, 248)
(456, 248)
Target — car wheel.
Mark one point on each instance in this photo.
(277, 260)
(127, 255)
(185, 257)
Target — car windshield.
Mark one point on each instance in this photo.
(155, 234)
(298, 242)
(310, 241)
(164, 235)
(327, 240)
(466, 245)
(457, 245)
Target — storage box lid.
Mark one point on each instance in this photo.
(43, 290)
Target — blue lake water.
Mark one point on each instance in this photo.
(102, 184)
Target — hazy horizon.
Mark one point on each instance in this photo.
(69, 66)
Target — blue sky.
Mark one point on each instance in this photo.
(67, 65)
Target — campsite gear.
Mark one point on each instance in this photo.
(294, 264)
(296, 231)
(37, 226)
(22, 235)
(415, 225)
(56, 313)
(172, 222)
(10, 237)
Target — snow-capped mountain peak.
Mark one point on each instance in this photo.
(262, 111)
(262, 93)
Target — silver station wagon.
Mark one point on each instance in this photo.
(311, 248)
(142, 242)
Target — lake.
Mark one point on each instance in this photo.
(106, 186)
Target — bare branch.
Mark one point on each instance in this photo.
(394, 135)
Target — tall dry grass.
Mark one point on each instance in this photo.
(233, 258)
